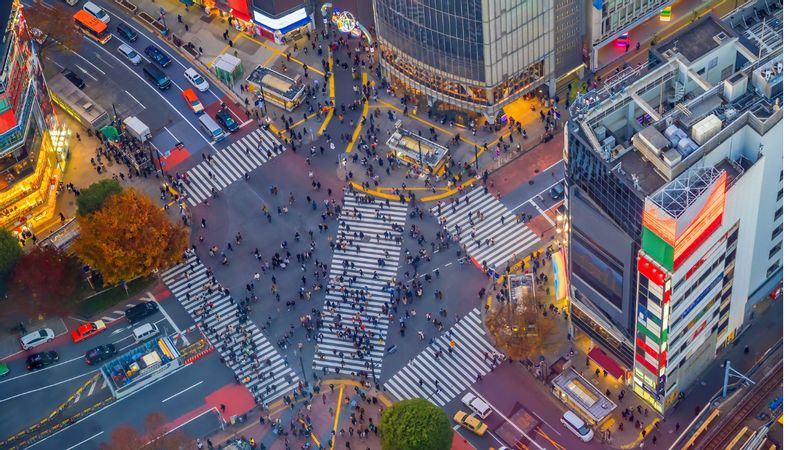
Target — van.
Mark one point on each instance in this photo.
(130, 54)
(577, 426)
(211, 128)
(156, 76)
(97, 11)
(145, 332)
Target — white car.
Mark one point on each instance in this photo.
(36, 338)
(197, 81)
(481, 408)
(130, 54)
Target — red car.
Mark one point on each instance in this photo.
(88, 330)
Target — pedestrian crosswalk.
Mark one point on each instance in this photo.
(256, 363)
(230, 164)
(489, 231)
(447, 367)
(364, 262)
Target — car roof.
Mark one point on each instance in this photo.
(191, 72)
(189, 92)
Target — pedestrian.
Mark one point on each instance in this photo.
(222, 407)
(677, 427)
(186, 27)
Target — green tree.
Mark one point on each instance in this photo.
(10, 251)
(93, 197)
(45, 280)
(415, 424)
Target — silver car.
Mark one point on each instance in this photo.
(130, 54)
(36, 338)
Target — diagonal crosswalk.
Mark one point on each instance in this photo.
(255, 362)
(489, 231)
(230, 164)
(438, 373)
(364, 262)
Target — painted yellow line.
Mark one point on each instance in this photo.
(430, 124)
(313, 69)
(336, 421)
(224, 49)
(299, 122)
(332, 89)
(363, 116)
(449, 192)
(374, 192)
(269, 59)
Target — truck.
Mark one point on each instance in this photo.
(137, 129)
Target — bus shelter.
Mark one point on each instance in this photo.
(276, 88)
(77, 104)
(582, 397)
(416, 151)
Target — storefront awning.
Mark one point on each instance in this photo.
(241, 15)
(606, 362)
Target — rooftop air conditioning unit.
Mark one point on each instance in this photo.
(720, 37)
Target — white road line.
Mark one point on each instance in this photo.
(86, 440)
(169, 319)
(55, 62)
(87, 61)
(135, 99)
(181, 392)
(506, 419)
(91, 388)
(194, 418)
(542, 212)
(85, 72)
(83, 375)
(173, 136)
(42, 370)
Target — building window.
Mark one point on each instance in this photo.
(780, 195)
(774, 250)
(775, 266)
(779, 213)
(777, 231)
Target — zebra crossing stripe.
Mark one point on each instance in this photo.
(445, 377)
(231, 164)
(498, 236)
(372, 227)
(189, 283)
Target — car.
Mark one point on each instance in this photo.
(130, 54)
(191, 99)
(480, 407)
(557, 191)
(128, 33)
(40, 360)
(623, 40)
(36, 338)
(225, 119)
(3, 369)
(142, 310)
(100, 354)
(73, 78)
(88, 330)
(471, 422)
(196, 79)
(157, 56)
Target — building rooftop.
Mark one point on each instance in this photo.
(699, 38)
(584, 394)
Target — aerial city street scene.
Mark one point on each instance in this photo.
(391, 224)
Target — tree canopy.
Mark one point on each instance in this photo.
(129, 237)
(93, 197)
(415, 424)
(45, 280)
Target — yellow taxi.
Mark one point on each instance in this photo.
(471, 422)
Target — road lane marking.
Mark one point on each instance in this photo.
(168, 318)
(42, 370)
(87, 61)
(85, 72)
(85, 440)
(135, 99)
(55, 62)
(47, 387)
(506, 419)
(336, 422)
(214, 409)
(181, 392)
(91, 388)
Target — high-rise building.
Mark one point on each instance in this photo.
(675, 201)
(606, 20)
(30, 138)
(473, 56)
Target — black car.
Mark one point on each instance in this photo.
(157, 56)
(225, 119)
(557, 191)
(100, 353)
(127, 32)
(136, 313)
(40, 360)
(74, 79)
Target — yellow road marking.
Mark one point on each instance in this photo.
(363, 116)
(338, 411)
(332, 96)
(418, 119)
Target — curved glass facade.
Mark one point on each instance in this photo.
(444, 34)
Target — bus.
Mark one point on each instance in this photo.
(92, 26)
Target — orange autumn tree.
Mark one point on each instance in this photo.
(129, 237)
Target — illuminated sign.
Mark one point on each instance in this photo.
(706, 222)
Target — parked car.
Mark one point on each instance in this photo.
(471, 422)
(157, 56)
(225, 119)
(40, 360)
(36, 338)
(73, 78)
(88, 330)
(480, 407)
(142, 310)
(196, 79)
(100, 354)
(127, 33)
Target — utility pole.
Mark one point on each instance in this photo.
(738, 375)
